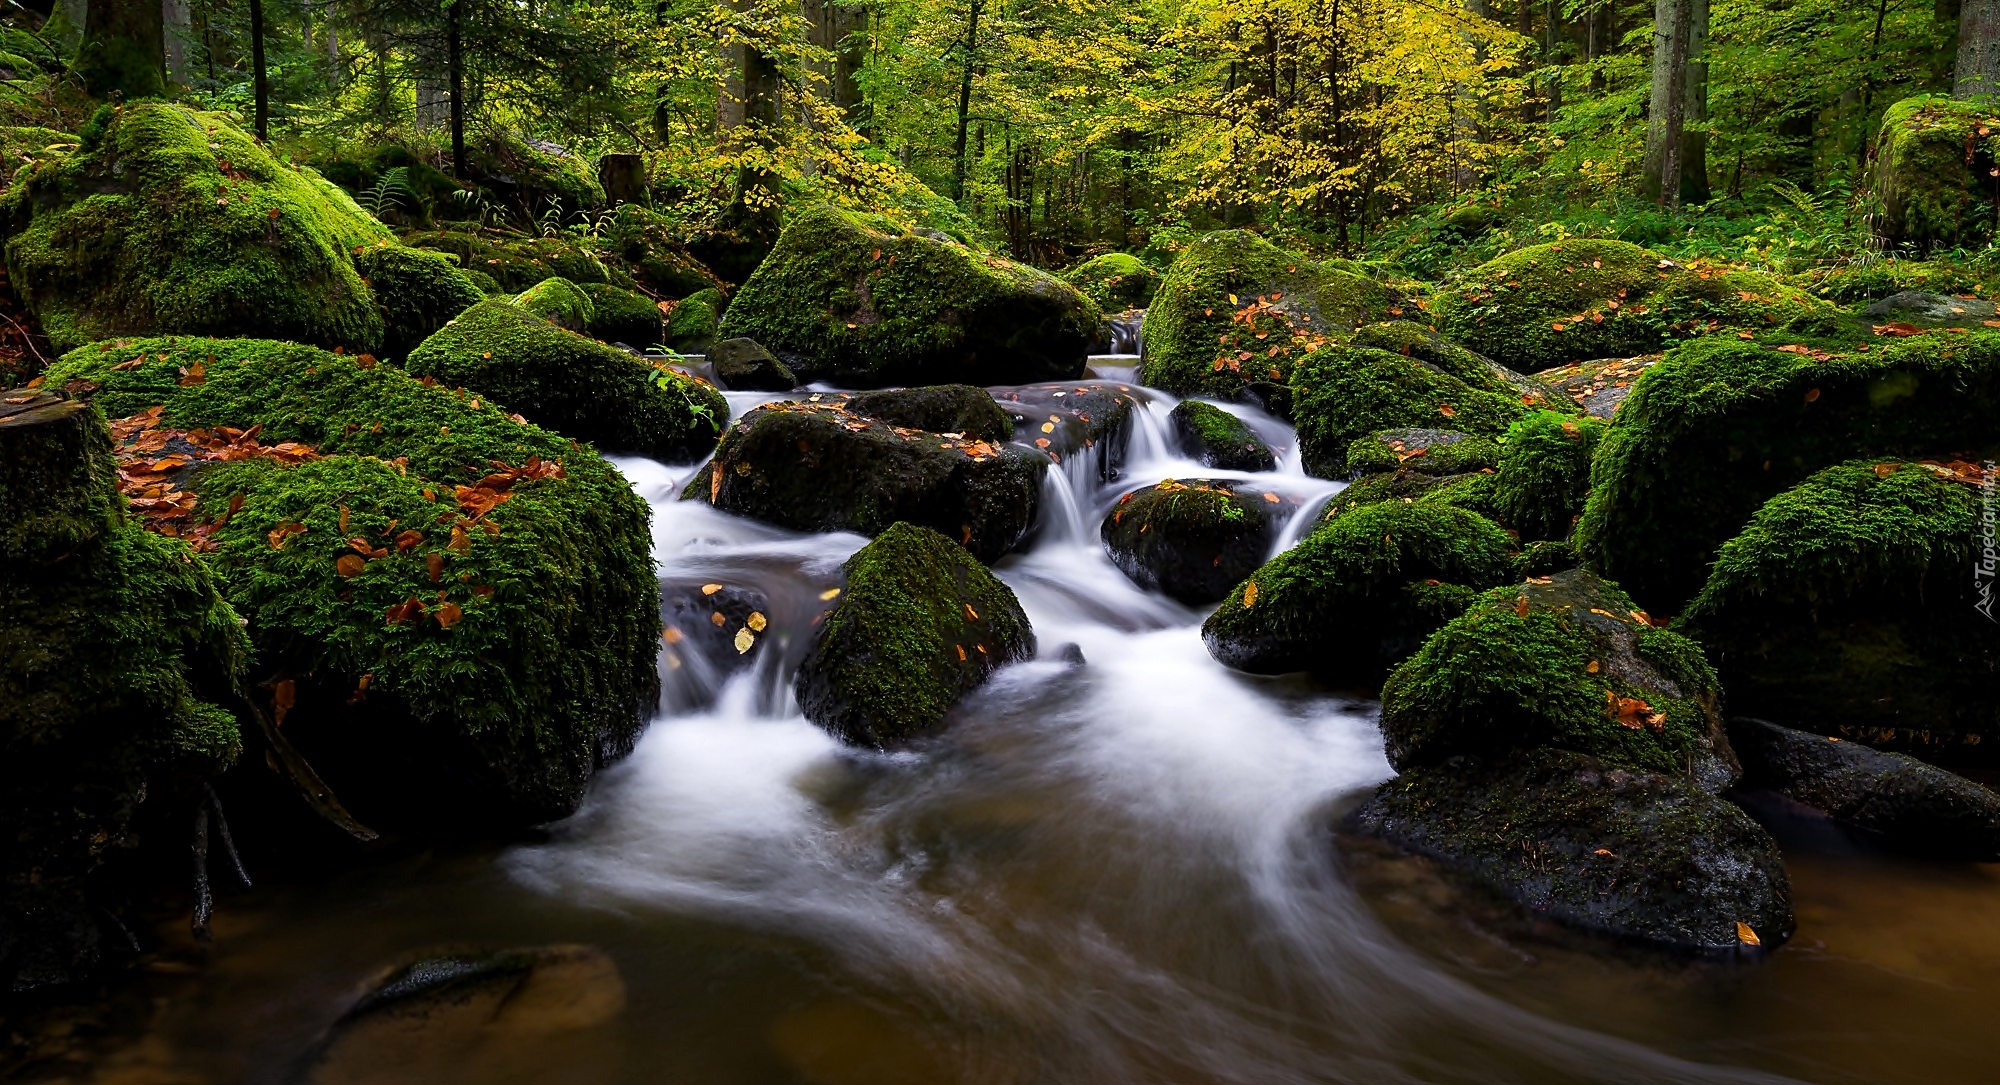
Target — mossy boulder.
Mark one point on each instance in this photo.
(1598, 386)
(1719, 427)
(1236, 311)
(117, 658)
(1640, 856)
(461, 608)
(1427, 451)
(1216, 438)
(573, 385)
(816, 466)
(623, 316)
(1543, 475)
(24, 146)
(1927, 182)
(694, 323)
(1565, 301)
(1923, 309)
(1192, 539)
(1423, 343)
(1406, 485)
(840, 301)
(174, 221)
(560, 302)
(1851, 604)
(744, 365)
(918, 624)
(649, 244)
(951, 409)
(1116, 282)
(1359, 593)
(418, 291)
(1565, 661)
(1341, 394)
(513, 261)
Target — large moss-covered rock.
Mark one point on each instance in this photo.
(1359, 593)
(174, 221)
(1341, 394)
(622, 316)
(1116, 281)
(839, 301)
(744, 365)
(1235, 310)
(460, 608)
(418, 291)
(1610, 849)
(918, 624)
(1543, 475)
(1216, 438)
(693, 326)
(816, 466)
(573, 385)
(1192, 539)
(1598, 386)
(1407, 485)
(1903, 803)
(1566, 301)
(116, 656)
(560, 302)
(1568, 662)
(944, 408)
(1851, 604)
(514, 262)
(1927, 182)
(1719, 427)
(1427, 451)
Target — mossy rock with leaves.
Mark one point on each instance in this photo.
(462, 640)
(1851, 605)
(1568, 662)
(117, 658)
(816, 466)
(1235, 311)
(694, 325)
(1341, 394)
(167, 220)
(840, 301)
(955, 410)
(1472, 491)
(1192, 539)
(1216, 438)
(919, 623)
(1359, 593)
(1640, 856)
(1116, 282)
(623, 316)
(1425, 451)
(1566, 301)
(1719, 427)
(516, 261)
(573, 385)
(1543, 474)
(1927, 181)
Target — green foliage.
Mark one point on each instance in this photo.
(1340, 394)
(1544, 473)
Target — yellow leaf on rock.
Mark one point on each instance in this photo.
(710, 589)
(1249, 595)
(1747, 936)
(744, 639)
(829, 593)
(756, 621)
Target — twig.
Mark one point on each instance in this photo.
(26, 337)
(288, 762)
(204, 903)
(228, 845)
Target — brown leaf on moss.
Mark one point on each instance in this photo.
(448, 614)
(350, 565)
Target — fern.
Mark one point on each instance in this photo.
(388, 193)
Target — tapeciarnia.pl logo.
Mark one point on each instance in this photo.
(1987, 561)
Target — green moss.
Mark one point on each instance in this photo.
(1544, 473)
(623, 316)
(1538, 666)
(694, 324)
(1881, 278)
(1340, 394)
(1217, 438)
(838, 301)
(1233, 294)
(1116, 281)
(1472, 492)
(919, 623)
(418, 292)
(560, 302)
(573, 385)
(650, 245)
(514, 261)
(1718, 427)
(1545, 305)
(1359, 592)
(1427, 451)
(1926, 185)
(1191, 539)
(24, 146)
(1850, 605)
(543, 676)
(33, 48)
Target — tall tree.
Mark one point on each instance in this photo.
(260, 77)
(969, 60)
(123, 50)
(1978, 70)
(1676, 167)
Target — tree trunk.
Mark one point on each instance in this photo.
(176, 28)
(1669, 76)
(123, 49)
(263, 85)
(964, 101)
(75, 15)
(1694, 110)
(623, 177)
(55, 480)
(1671, 150)
(454, 62)
(1978, 49)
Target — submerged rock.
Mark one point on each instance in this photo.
(943, 408)
(1216, 438)
(816, 466)
(1910, 806)
(1543, 475)
(918, 624)
(1564, 661)
(573, 385)
(1359, 593)
(838, 300)
(1192, 539)
(1627, 853)
(743, 365)
(1425, 451)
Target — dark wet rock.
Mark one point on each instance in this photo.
(743, 365)
(1930, 310)
(1543, 475)
(1600, 385)
(1623, 852)
(720, 625)
(1071, 653)
(1564, 661)
(1909, 805)
(1426, 451)
(1850, 605)
(918, 624)
(1359, 593)
(1216, 438)
(1193, 539)
(1063, 421)
(816, 466)
(523, 1013)
(942, 408)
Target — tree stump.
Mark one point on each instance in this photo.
(623, 177)
(58, 485)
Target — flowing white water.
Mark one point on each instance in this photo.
(1108, 872)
